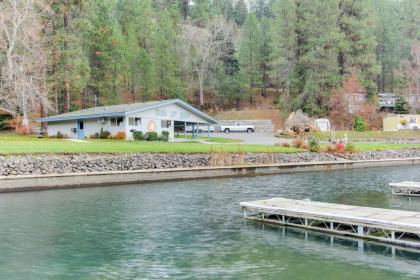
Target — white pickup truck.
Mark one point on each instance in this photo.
(237, 128)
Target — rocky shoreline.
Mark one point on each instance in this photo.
(61, 164)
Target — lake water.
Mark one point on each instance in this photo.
(195, 230)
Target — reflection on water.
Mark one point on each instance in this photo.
(351, 249)
(195, 230)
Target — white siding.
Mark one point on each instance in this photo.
(93, 126)
(64, 127)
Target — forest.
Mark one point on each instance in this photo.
(62, 55)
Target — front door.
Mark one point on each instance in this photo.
(80, 129)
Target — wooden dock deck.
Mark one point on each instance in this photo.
(406, 188)
(385, 225)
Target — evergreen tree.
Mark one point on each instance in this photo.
(201, 12)
(68, 64)
(165, 59)
(317, 47)
(391, 42)
(249, 53)
(261, 8)
(229, 81)
(401, 106)
(283, 43)
(106, 52)
(240, 12)
(357, 43)
(265, 55)
(137, 28)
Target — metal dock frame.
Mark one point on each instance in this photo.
(388, 232)
(406, 188)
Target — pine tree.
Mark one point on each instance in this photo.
(240, 12)
(357, 44)
(265, 55)
(401, 106)
(229, 81)
(68, 64)
(249, 53)
(317, 48)
(165, 59)
(391, 42)
(283, 43)
(137, 28)
(201, 12)
(106, 52)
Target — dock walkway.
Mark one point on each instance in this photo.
(385, 225)
(406, 188)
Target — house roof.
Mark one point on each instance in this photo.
(123, 110)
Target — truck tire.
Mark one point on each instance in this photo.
(249, 130)
(227, 130)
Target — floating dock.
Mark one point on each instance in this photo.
(385, 225)
(406, 188)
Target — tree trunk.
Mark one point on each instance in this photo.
(66, 93)
(43, 114)
(200, 81)
(54, 88)
(340, 60)
(133, 84)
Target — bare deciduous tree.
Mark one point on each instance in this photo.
(23, 67)
(204, 46)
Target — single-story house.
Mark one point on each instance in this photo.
(394, 122)
(154, 116)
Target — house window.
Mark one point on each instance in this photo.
(102, 120)
(134, 121)
(116, 121)
(165, 124)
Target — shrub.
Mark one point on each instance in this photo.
(285, 144)
(304, 146)
(314, 145)
(152, 136)
(359, 124)
(298, 142)
(119, 136)
(290, 133)
(164, 136)
(137, 135)
(340, 147)
(94, 136)
(350, 148)
(104, 134)
(331, 149)
(59, 135)
(144, 136)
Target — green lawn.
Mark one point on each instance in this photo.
(362, 147)
(16, 144)
(357, 136)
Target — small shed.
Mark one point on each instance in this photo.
(323, 124)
